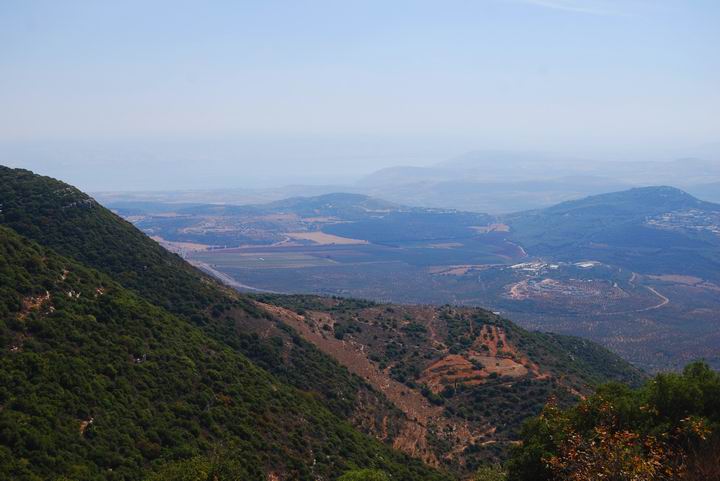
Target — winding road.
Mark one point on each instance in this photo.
(663, 302)
(226, 279)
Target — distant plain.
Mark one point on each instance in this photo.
(637, 270)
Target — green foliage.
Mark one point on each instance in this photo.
(155, 393)
(63, 218)
(221, 465)
(59, 216)
(364, 475)
(490, 473)
(672, 418)
(198, 468)
(96, 383)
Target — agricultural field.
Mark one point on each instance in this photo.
(630, 270)
(234, 259)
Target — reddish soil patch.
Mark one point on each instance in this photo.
(419, 412)
(421, 415)
(490, 353)
(450, 370)
(84, 424)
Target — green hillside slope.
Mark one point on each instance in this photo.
(60, 216)
(67, 220)
(96, 383)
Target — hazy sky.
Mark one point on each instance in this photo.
(138, 94)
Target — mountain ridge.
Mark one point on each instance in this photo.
(99, 384)
(75, 225)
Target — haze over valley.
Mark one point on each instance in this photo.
(496, 182)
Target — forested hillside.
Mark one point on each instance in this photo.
(99, 384)
(137, 317)
(61, 217)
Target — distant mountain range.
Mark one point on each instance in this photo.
(497, 182)
(501, 182)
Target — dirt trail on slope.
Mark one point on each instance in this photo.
(421, 415)
(419, 412)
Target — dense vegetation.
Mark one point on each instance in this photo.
(668, 429)
(59, 216)
(99, 384)
(120, 361)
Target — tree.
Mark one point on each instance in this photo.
(364, 475)
(667, 430)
